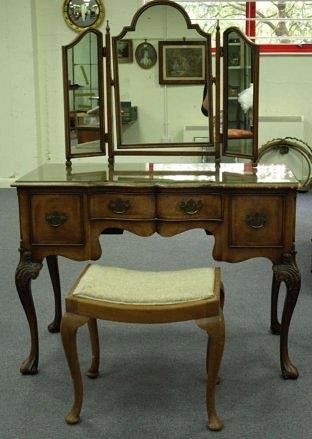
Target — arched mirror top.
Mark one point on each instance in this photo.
(83, 35)
(237, 32)
(166, 3)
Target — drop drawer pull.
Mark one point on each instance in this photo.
(256, 220)
(119, 206)
(191, 207)
(56, 219)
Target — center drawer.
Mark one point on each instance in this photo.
(114, 205)
(190, 206)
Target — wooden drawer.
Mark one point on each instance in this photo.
(190, 206)
(257, 220)
(132, 206)
(56, 219)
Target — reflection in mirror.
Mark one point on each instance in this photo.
(83, 93)
(240, 90)
(159, 92)
(81, 14)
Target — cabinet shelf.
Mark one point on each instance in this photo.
(239, 67)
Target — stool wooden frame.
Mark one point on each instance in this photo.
(207, 313)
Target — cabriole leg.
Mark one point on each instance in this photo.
(93, 372)
(216, 331)
(25, 272)
(55, 279)
(287, 271)
(275, 324)
(69, 326)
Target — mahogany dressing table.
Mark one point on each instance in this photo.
(249, 211)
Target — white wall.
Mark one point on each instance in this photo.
(18, 90)
(31, 109)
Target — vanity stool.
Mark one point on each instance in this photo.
(132, 296)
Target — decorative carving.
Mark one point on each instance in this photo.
(119, 206)
(191, 207)
(27, 270)
(287, 271)
(283, 149)
(56, 219)
(256, 220)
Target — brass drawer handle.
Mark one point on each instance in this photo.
(191, 207)
(119, 206)
(256, 220)
(56, 219)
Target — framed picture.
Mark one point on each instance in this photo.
(124, 51)
(182, 62)
(146, 55)
(233, 91)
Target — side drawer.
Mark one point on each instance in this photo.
(190, 206)
(132, 206)
(257, 220)
(56, 219)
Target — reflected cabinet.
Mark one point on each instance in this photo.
(141, 93)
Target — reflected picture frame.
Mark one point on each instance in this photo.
(146, 55)
(125, 51)
(80, 15)
(182, 62)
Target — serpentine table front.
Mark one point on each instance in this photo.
(250, 211)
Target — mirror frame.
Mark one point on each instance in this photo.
(74, 26)
(147, 148)
(102, 136)
(255, 81)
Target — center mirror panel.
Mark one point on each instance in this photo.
(161, 67)
(240, 95)
(83, 95)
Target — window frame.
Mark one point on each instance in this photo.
(251, 8)
(250, 31)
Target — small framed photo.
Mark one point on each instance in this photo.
(233, 91)
(146, 55)
(182, 62)
(125, 51)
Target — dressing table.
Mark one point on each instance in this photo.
(250, 210)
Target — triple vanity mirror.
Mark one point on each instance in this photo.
(158, 72)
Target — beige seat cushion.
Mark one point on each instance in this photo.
(119, 285)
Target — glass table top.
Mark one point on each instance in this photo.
(158, 174)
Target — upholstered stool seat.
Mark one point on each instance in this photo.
(119, 285)
(133, 296)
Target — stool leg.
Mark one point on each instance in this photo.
(93, 372)
(216, 332)
(69, 326)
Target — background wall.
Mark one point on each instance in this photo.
(31, 109)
